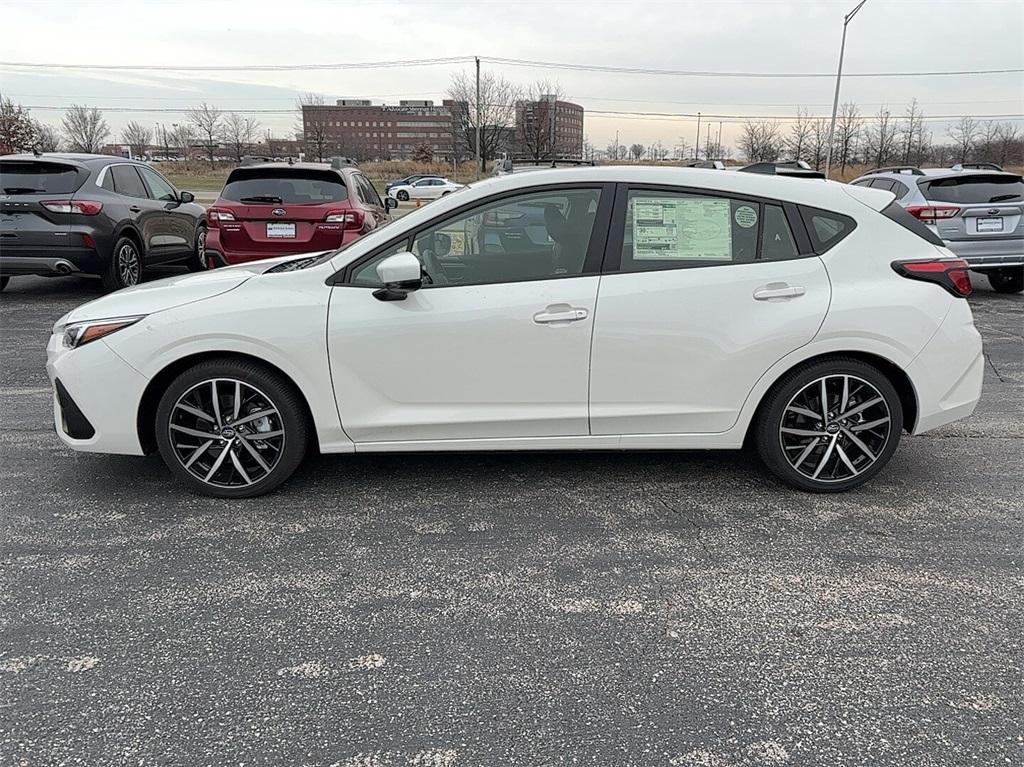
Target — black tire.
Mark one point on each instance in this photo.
(125, 267)
(845, 464)
(281, 455)
(197, 261)
(1007, 280)
(445, 193)
(3, 282)
(402, 195)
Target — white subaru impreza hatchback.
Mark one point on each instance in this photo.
(605, 308)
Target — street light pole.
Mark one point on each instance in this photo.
(839, 76)
(479, 170)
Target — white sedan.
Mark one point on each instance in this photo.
(424, 189)
(594, 308)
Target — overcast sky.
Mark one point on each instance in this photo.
(727, 35)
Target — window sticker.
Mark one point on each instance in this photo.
(746, 216)
(681, 228)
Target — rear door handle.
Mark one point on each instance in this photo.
(560, 313)
(778, 290)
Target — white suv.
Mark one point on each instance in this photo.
(606, 308)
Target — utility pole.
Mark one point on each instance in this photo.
(839, 77)
(479, 154)
(719, 141)
(707, 144)
(696, 144)
(616, 158)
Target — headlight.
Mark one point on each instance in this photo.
(80, 333)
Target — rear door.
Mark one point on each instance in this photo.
(283, 210)
(702, 293)
(988, 220)
(26, 226)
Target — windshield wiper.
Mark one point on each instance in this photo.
(262, 198)
(1005, 197)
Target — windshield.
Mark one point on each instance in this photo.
(284, 187)
(975, 189)
(39, 177)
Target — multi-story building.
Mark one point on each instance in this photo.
(549, 127)
(357, 128)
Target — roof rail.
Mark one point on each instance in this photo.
(337, 163)
(713, 164)
(912, 169)
(791, 168)
(976, 166)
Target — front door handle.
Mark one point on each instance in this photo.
(778, 290)
(134, 208)
(560, 314)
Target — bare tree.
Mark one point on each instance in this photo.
(183, 137)
(817, 145)
(796, 143)
(881, 140)
(1009, 143)
(682, 149)
(636, 151)
(138, 137)
(207, 122)
(913, 118)
(17, 130)
(848, 130)
(495, 116)
(239, 133)
(760, 140)
(163, 137)
(47, 139)
(964, 134)
(312, 124)
(535, 120)
(987, 147)
(85, 129)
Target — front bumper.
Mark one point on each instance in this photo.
(104, 389)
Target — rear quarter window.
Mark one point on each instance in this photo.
(974, 189)
(825, 228)
(289, 186)
(20, 177)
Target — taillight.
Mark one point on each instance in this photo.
(352, 219)
(215, 215)
(932, 212)
(81, 207)
(950, 273)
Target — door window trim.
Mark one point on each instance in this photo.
(612, 262)
(599, 234)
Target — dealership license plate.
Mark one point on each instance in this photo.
(990, 224)
(280, 230)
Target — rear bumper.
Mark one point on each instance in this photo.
(52, 262)
(218, 255)
(990, 254)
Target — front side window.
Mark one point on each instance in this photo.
(671, 230)
(159, 189)
(534, 236)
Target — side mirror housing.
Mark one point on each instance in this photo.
(184, 197)
(390, 203)
(401, 274)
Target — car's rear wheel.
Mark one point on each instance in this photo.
(402, 195)
(829, 426)
(231, 428)
(125, 267)
(197, 261)
(1007, 280)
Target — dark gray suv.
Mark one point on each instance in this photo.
(63, 214)
(977, 210)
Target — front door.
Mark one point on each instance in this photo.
(706, 293)
(496, 344)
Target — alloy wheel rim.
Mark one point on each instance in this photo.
(835, 428)
(226, 433)
(128, 266)
(201, 247)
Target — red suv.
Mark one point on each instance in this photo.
(274, 209)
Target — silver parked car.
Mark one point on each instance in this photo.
(976, 208)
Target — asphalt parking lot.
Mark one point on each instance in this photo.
(531, 609)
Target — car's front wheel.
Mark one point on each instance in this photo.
(1007, 280)
(231, 428)
(829, 426)
(402, 195)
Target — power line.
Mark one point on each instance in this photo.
(241, 67)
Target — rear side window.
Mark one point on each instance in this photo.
(777, 241)
(825, 227)
(127, 181)
(882, 183)
(40, 177)
(974, 189)
(290, 186)
(895, 212)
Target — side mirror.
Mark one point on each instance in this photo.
(184, 197)
(390, 203)
(401, 274)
